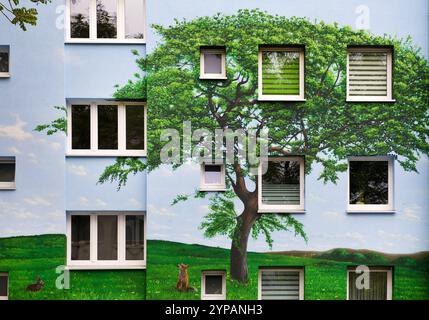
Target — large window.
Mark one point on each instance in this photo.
(213, 285)
(281, 185)
(4, 285)
(106, 240)
(4, 61)
(379, 286)
(281, 284)
(212, 63)
(370, 184)
(106, 20)
(7, 173)
(107, 129)
(212, 177)
(369, 74)
(281, 74)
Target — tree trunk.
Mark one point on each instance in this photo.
(245, 221)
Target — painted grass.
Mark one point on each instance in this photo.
(26, 257)
(325, 279)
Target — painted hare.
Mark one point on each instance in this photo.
(36, 286)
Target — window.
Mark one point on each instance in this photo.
(380, 285)
(281, 74)
(369, 74)
(7, 173)
(4, 61)
(107, 129)
(281, 284)
(213, 63)
(370, 184)
(281, 185)
(212, 177)
(4, 286)
(213, 285)
(106, 21)
(106, 240)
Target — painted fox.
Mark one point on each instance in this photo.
(183, 281)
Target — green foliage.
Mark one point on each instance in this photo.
(121, 169)
(20, 15)
(57, 125)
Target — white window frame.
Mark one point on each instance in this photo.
(7, 286)
(8, 185)
(292, 269)
(389, 96)
(6, 74)
(373, 270)
(271, 97)
(205, 296)
(120, 35)
(208, 186)
(267, 208)
(213, 76)
(122, 143)
(93, 262)
(369, 208)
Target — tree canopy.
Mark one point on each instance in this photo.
(18, 14)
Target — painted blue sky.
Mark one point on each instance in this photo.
(37, 206)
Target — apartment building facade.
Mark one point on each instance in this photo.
(82, 51)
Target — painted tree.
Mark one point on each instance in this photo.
(325, 129)
(18, 14)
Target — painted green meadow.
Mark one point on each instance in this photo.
(27, 257)
(325, 276)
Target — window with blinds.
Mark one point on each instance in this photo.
(281, 284)
(369, 74)
(281, 74)
(380, 286)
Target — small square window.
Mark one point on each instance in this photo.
(369, 74)
(213, 63)
(213, 285)
(370, 184)
(4, 61)
(212, 177)
(4, 286)
(281, 74)
(281, 185)
(379, 284)
(281, 284)
(7, 173)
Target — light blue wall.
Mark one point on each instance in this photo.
(326, 222)
(45, 72)
(92, 70)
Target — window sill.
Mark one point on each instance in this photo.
(4, 75)
(213, 78)
(212, 189)
(105, 41)
(107, 153)
(281, 99)
(363, 211)
(369, 100)
(269, 210)
(105, 267)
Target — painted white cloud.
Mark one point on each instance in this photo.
(15, 131)
(100, 203)
(411, 214)
(135, 203)
(14, 150)
(160, 211)
(403, 237)
(83, 201)
(37, 201)
(78, 170)
(12, 210)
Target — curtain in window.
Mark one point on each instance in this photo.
(377, 287)
(280, 73)
(367, 73)
(280, 285)
(135, 237)
(80, 237)
(280, 184)
(107, 237)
